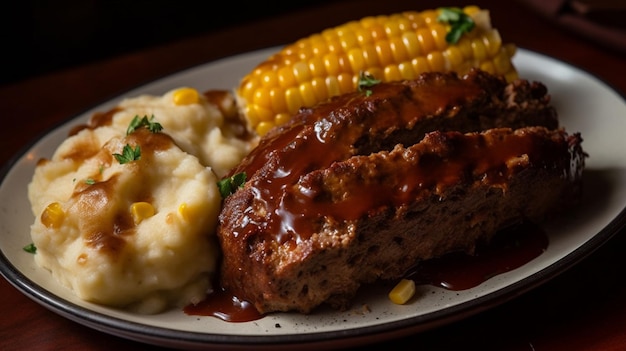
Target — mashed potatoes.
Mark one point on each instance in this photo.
(198, 127)
(136, 231)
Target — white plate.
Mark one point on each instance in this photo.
(584, 104)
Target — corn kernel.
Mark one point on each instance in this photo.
(348, 40)
(346, 83)
(439, 33)
(307, 93)
(471, 9)
(385, 57)
(269, 78)
(425, 38)
(141, 210)
(464, 45)
(368, 22)
(53, 215)
(392, 27)
(479, 50)
(430, 16)
(454, 57)
(370, 56)
(186, 96)
(402, 292)
(301, 72)
(411, 43)
(262, 113)
(363, 36)
(436, 61)
(286, 77)
(378, 32)
(189, 213)
(331, 63)
(318, 84)
(293, 99)
(355, 57)
(420, 65)
(280, 119)
(264, 127)
(334, 45)
(492, 41)
(318, 45)
(406, 70)
(248, 87)
(261, 97)
(277, 98)
(344, 63)
(392, 73)
(398, 50)
(332, 85)
(316, 66)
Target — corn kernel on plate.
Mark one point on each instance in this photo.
(577, 96)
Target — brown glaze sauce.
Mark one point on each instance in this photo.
(98, 119)
(225, 306)
(291, 203)
(319, 137)
(510, 249)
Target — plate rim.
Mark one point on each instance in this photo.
(157, 335)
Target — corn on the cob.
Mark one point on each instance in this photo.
(395, 47)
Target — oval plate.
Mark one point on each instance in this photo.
(584, 103)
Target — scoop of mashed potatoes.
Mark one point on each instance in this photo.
(197, 125)
(128, 219)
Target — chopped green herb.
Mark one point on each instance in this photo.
(366, 80)
(229, 185)
(90, 181)
(459, 21)
(128, 154)
(30, 248)
(139, 122)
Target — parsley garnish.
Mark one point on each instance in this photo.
(30, 248)
(138, 122)
(366, 80)
(459, 21)
(90, 181)
(128, 154)
(229, 185)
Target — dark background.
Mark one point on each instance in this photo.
(38, 36)
(43, 36)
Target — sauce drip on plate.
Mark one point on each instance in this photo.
(510, 249)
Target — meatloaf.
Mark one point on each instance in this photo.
(365, 185)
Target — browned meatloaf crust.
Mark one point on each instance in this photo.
(351, 191)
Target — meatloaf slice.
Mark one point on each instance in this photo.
(402, 112)
(360, 189)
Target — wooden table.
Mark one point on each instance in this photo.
(582, 309)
